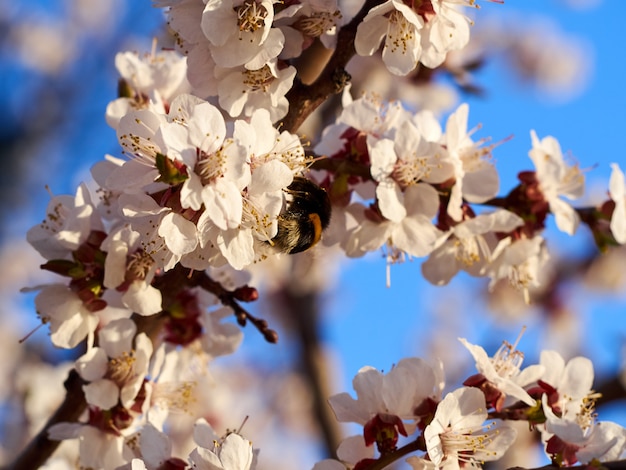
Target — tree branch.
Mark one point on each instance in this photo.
(41, 447)
(304, 99)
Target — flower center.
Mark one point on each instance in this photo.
(251, 16)
(120, 368)
(318, 23)
(211, 166)
(408, 172)
(400, 33)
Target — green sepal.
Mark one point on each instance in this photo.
(171, 172)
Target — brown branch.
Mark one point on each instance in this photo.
(304, 308)
(304, 99)
(230, 299)
(41, 447)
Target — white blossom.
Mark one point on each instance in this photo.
(556, 179)
(617, 189)
(458, 434)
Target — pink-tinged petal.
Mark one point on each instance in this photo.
(207, 129)
(63, 431)
(421, 199)
(223, 204)
(191, 192)
(116, 338)
(441, 266)
(617, 189)
(237, 246)
(93, 364)
(136, 464)
(369, 35)
(155, 446)
(416, 235)
(347, 409)
(269, 177)
(577, 377)
(390, 200)
(203, 434)
(382, 157)
(218, 19)
(483, 362)
(368, 385)
(353, 449)
(456, 127)
(606, 443)
(236, 453)
(370, 236)
(554, 366)
(398, 60)
(102, 393)
(567, 219)
(204, 459)
(481, 185)
(179, 234)
(471, 410)
(329, 464)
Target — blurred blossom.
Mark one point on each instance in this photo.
(582, 4)
(557, 64)
(49, 44)
(606, 273)
(43, 46)
(370, 74)
(560, 64)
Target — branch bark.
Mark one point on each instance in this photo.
(40, 447)
(304, 99)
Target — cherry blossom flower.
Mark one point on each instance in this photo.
(305, 21)
(131, 270)
(423, 33)
(519, 262)
(400, 26)
(97, 448)
(577, 437)
(566, 384)
(617, 189)
(115, 369)
(389, 401)
(152, 81)
(468, 246)
(502, 372)
(69, 221)
(241, 91)
(240, 32)
(153, 451)
(409, 158)
(414, 234)
(230, 453)
(458, 436)
(476, 178)
(557, 179)
(70, 320)
(352, 450)
(445, 29)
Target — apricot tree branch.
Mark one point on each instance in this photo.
(304, 99)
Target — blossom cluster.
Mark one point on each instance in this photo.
(405, 411)
(422, 186)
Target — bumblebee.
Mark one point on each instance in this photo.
(304, 218)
